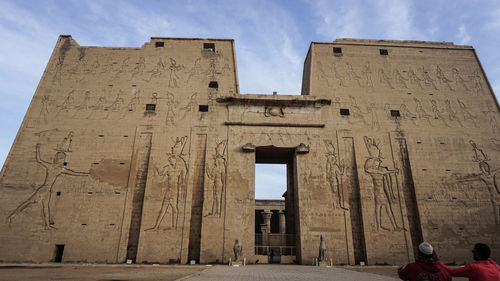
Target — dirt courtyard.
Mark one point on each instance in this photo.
(93, 272)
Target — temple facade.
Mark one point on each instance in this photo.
(148, 154)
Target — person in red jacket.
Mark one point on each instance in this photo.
(424, 269)
(484, 269)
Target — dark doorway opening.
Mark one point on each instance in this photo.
(275, 218)
(59, 253)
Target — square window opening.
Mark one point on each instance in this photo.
(58, 193)
(213, 85)
(203, 108)
(384, 52)
(395, 113)
(337, 51)
(159, 44)
(150, 107)
(209, 47)
(344, 112)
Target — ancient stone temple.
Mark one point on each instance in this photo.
(148, 154)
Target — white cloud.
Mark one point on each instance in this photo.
(463, 36)
(270, 181)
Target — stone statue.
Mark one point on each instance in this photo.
(237, 250)
(322, 249)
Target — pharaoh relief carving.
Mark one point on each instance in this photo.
(334, 174)
(173, 177)
(54, 168)
(385, 188)
(216, 187)
(490, 177)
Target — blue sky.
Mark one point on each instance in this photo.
(271, 37)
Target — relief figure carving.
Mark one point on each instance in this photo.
(195, 70)
(42, 194)
(428, 81)
(139, 67)
(157, 70)
(383, 180)
(190, 106)
(399, 79)
(466, 113)
(367, 73)
(174, 68)
(490, 177)
(67, 104)
(357, 113)
(352, 74)
(421, 113)
(173, 175)
(452, 115)
(414, 79)
(441, 77)
(337, 75)
(477, 83)
(458, 79)
(170, 102)
(334, 173)
(491, 117)
(437, 113)
(44, 109)
(216, 174)
(384, 78)
(406, 114)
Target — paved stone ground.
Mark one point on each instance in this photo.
(285, 273)
(122, 272)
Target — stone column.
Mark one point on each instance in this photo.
(282, 220)
(267, 220)
(265, 237)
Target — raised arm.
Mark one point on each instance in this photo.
(74, 173)
(38, 158)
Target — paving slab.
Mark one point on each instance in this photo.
(285, 273)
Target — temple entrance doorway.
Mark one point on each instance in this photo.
(274, 205)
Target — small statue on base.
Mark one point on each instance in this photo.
(322, 249)
(237, 250)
